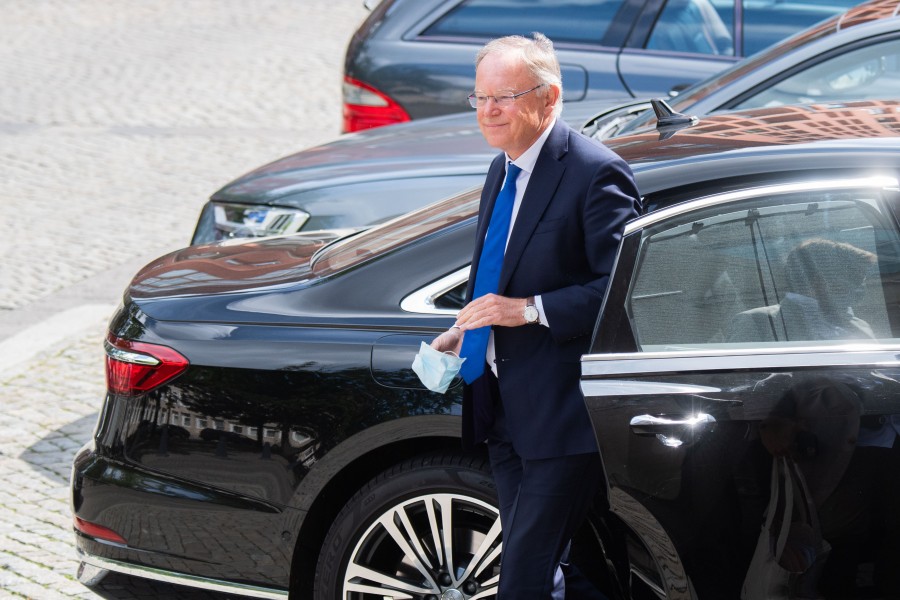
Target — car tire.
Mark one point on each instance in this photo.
(426, 528)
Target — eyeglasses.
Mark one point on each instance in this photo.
(478, 100)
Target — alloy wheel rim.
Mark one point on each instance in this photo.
(430, 547)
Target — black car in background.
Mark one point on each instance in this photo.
(414, 58)
(368, 177)
(263, 433)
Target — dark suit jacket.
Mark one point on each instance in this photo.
(562, 247)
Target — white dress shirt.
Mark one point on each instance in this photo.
(525, 162)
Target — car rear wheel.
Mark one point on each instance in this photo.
(428, 528)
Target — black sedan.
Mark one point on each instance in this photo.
(264, 434)
(366, 178)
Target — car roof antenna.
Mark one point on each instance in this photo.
(667, 120)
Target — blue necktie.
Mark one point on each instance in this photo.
(475, 341)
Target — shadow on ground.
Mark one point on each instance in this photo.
(52, 455)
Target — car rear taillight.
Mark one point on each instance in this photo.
(365, 107)
(98, 531)
(136, 367)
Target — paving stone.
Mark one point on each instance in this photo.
(117, 120)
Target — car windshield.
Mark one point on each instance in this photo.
(406, 229)
(683, 101)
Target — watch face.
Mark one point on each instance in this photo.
(531, 314)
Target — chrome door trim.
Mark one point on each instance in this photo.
(422, 300)
(640, 363)
(879, 182)
(621, 387)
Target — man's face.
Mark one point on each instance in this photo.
(514, 128)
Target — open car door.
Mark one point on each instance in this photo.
(744, 387)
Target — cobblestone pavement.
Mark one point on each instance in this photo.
(117, 120)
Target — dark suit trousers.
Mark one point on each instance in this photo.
(542, 504)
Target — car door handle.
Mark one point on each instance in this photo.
(673, 432)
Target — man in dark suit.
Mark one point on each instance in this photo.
(569, 199)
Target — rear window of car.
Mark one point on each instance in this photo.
(357, 249)
(560, 20)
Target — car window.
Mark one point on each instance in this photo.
(769, 21)
(455, 299)
(444, 296)
(560, 20)
(786, 268)
(863, 73)
(696, 26)
(701, 90)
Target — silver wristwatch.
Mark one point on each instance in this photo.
(531, 312)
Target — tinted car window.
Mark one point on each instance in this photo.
(780, 269)
(700, 91)
(859, 74)
(455, 299)
(695, 26)
(560, 20)
(707, 26)
(767, 21)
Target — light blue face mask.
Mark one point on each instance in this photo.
(435, 369)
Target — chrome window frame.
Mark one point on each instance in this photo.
(727, 359)
(882, 182)
(601, 373)
(422, 300)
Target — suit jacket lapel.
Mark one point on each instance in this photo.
(548, 170)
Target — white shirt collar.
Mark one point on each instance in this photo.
(528, 158)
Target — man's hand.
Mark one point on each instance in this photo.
(492, 309)
(449, 341)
